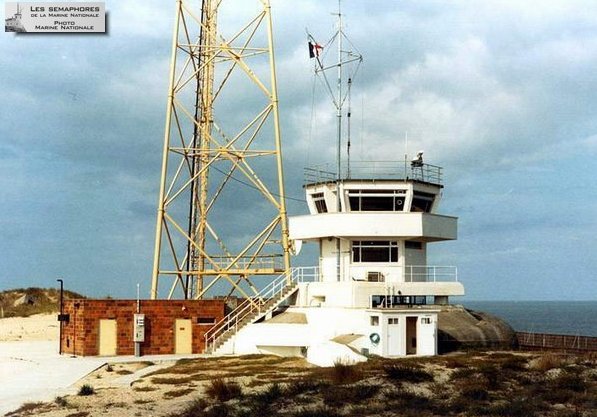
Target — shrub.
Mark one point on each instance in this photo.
(514, 363)
(78, 414)
(476, 393)
(570, 381)
(177, 393)
(342, 373)
(462, 373)
(321, 411)
(303, 386)
(26, 408)
(338, 396)
(86, 390)
(517, 407)
(407, 373)
(222, 390)
(60, 401)
(261, 402)
(546, 362)
(491, 374)
(194, 409)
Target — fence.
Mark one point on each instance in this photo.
(556, 341)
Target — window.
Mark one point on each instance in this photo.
(411, 244)
(376, 200)
(319, 202)
(374, 320)
(393, 320)
(426, 320)
(206, 320)
(374, 251)
(422, 202)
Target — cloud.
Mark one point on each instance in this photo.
(500, 93)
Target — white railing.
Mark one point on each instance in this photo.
(396, 170)
(256, 304)
(430, 273)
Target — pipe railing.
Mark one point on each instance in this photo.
(235, 319)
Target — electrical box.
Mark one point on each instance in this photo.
(139, 328)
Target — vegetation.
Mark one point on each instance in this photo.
(86, 390)
(37, 301)
(465, 384)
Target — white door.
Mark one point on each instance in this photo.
(393, 347)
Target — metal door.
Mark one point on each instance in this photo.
(183, 343)
(107, 337)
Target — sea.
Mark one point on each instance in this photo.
(578, 318)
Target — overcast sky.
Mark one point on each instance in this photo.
(499, 93)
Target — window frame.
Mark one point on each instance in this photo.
(357, 251)
(357, 196)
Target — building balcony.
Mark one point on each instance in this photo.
(424, 227)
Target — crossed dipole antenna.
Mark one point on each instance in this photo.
(222, 153)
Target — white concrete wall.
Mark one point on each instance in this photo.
(381, 225)
(324, 324)
(358, 294)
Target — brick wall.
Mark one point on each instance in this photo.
(80, 336)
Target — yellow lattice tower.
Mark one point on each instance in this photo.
(217, 147)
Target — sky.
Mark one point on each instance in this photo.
(498, 93)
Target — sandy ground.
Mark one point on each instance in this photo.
(40, 327)
(32, 371)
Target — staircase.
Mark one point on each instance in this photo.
(255, 308)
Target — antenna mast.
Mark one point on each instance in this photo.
(344, 58)
(208, 154)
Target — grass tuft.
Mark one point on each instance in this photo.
(343, 373)
(177, 393)
(407, 373)
(86, 390)
(222, 390)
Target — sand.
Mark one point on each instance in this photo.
(39, 327)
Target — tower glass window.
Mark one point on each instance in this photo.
(319, 201)
(422, 202)
(374, 251)
(376, 200)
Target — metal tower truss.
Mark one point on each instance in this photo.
(222, 171)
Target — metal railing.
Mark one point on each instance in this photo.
(249, 262)
(393, 170)
(428, 273)
(258, 304)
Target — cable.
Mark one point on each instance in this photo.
(302, 200)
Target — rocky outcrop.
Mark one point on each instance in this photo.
(461, 328)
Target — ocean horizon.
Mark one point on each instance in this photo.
(578, 318)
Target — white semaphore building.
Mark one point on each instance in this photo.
(372, 291)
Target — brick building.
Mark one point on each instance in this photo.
(105, 327)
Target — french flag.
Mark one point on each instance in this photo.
(314, 49)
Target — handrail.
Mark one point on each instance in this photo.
(430, 273)
(250, 305)
(359, 170)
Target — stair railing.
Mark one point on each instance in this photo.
(251, 308)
